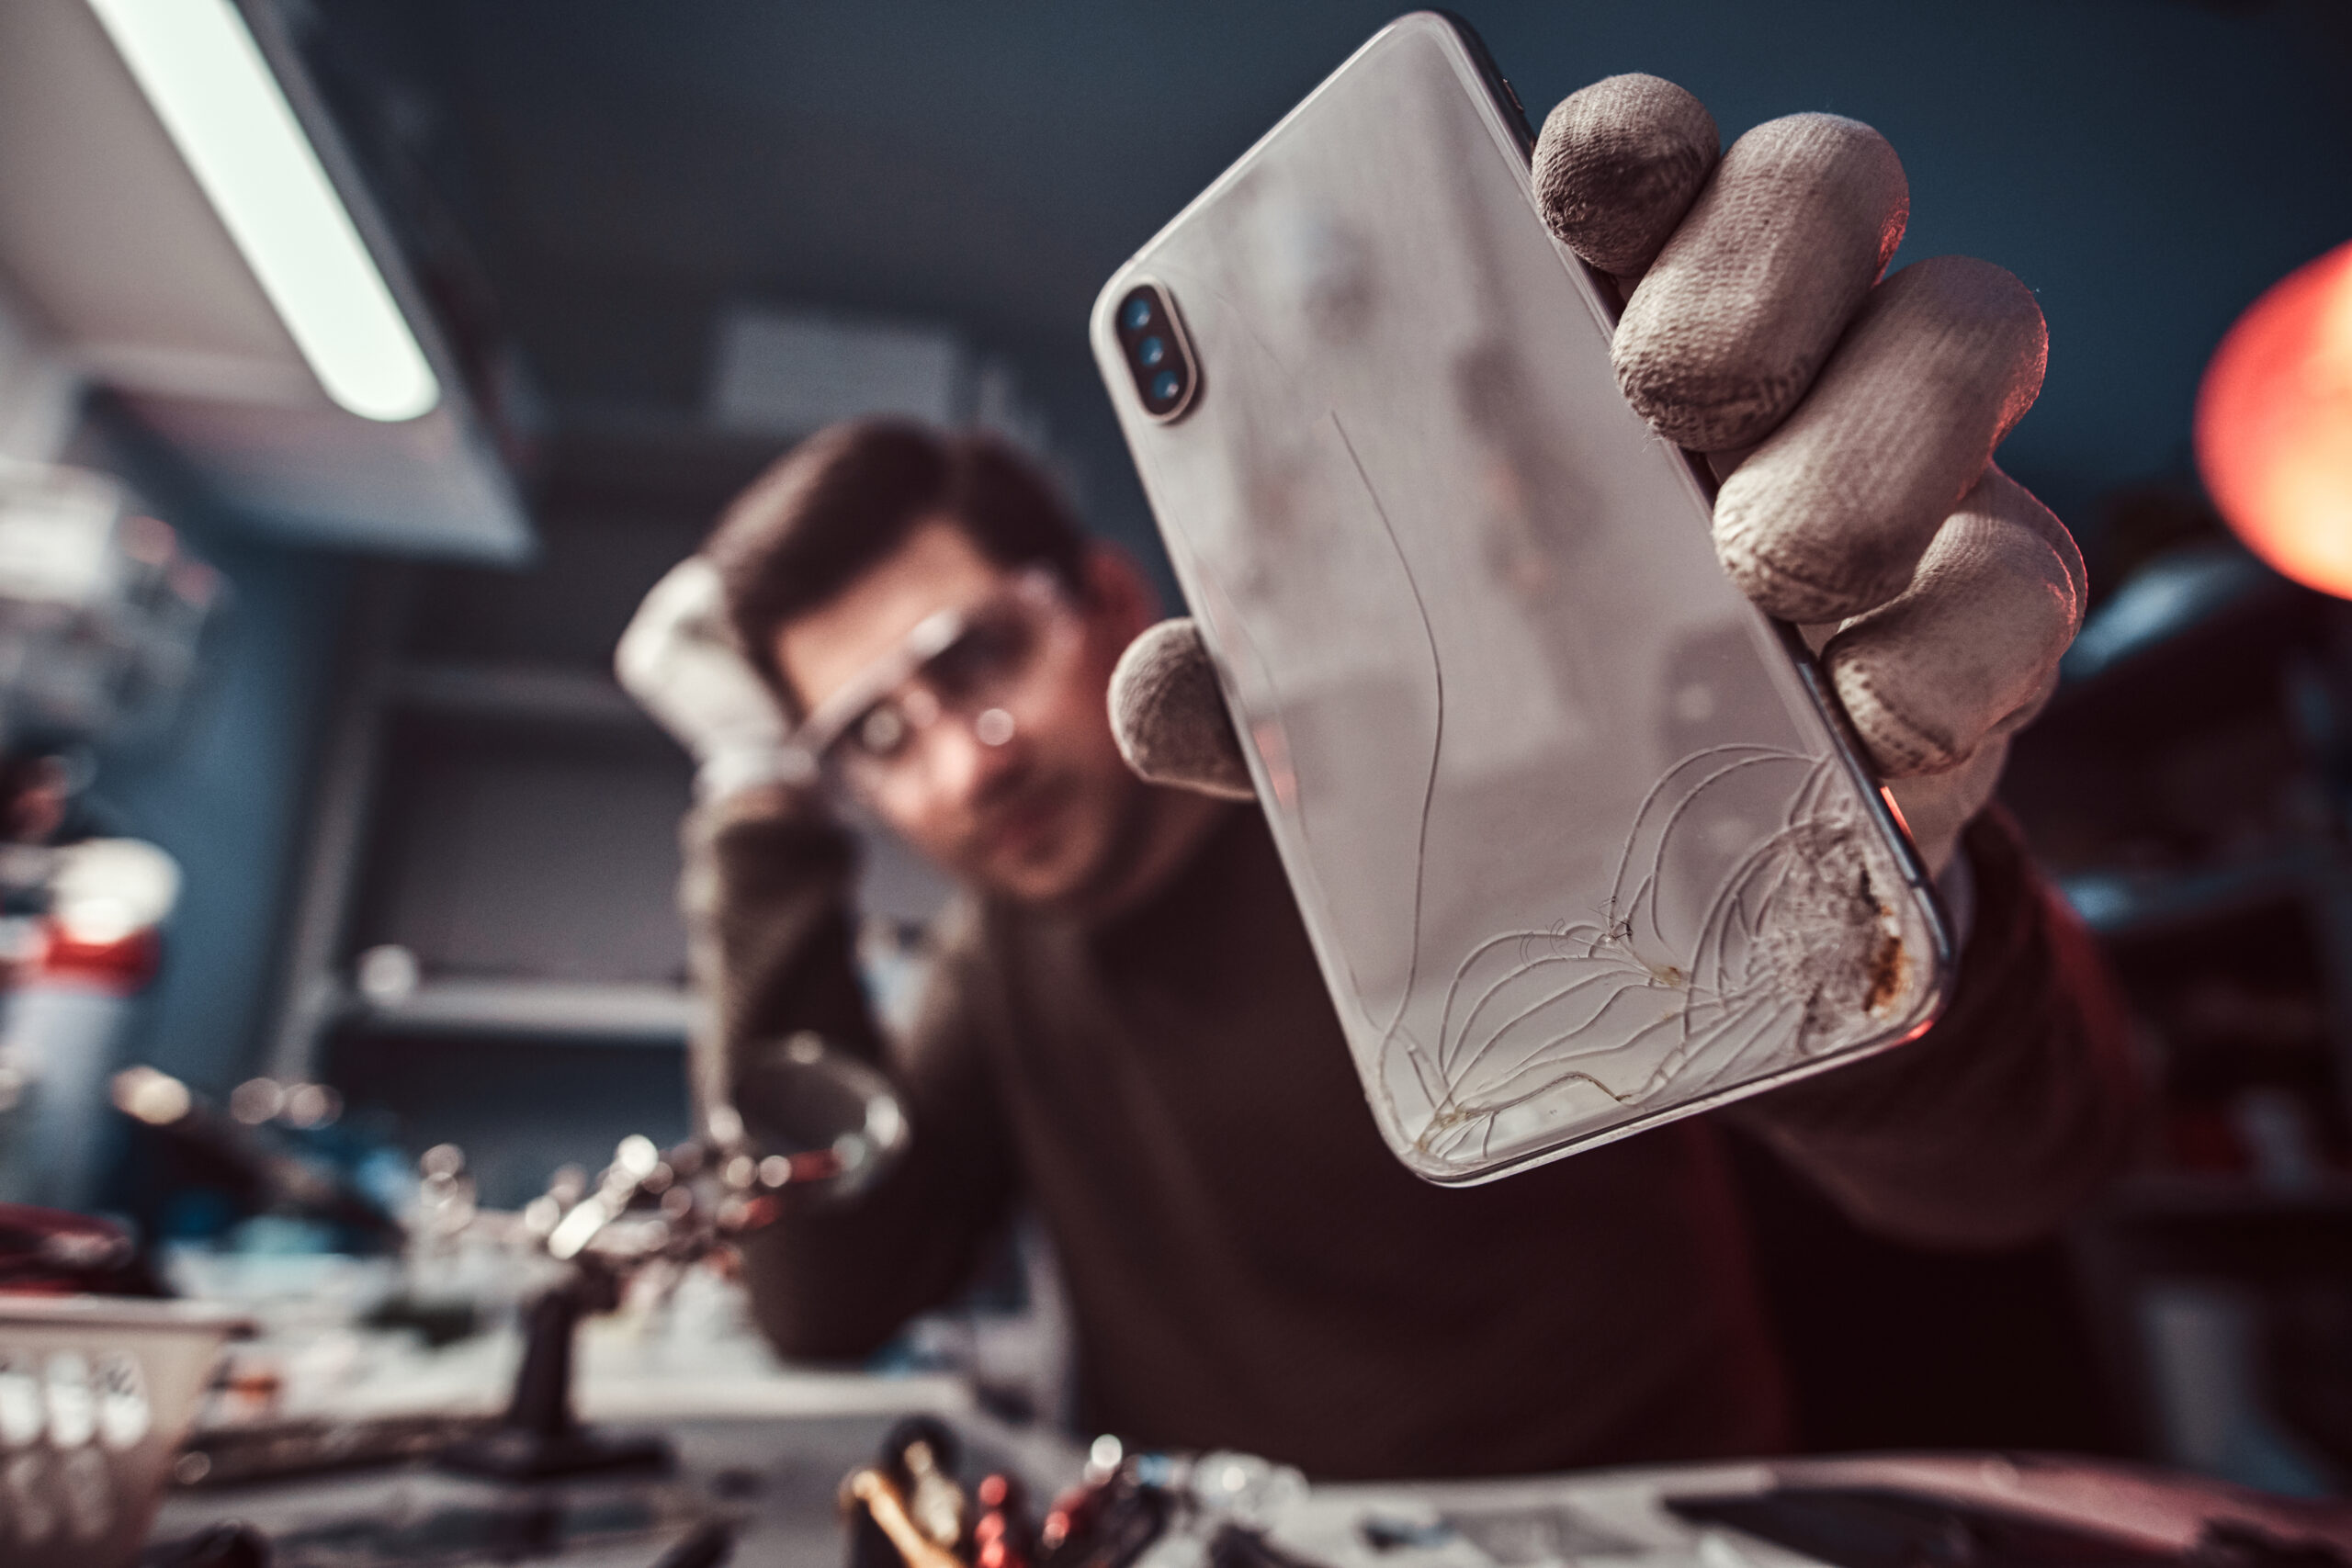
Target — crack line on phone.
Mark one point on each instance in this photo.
(1796, 949)
(1437, 737)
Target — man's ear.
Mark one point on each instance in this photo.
(1119, 596)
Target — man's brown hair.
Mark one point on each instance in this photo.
(835, 505)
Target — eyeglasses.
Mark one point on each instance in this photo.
(985, 664)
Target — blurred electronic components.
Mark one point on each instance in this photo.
(303, 1106)
(1955, 1511)
(1106, 1522)
(827, 1124)
(451, 1524)
(239, 1456)
(50, 1251)
(268, 1175)
(1004, 1535)
(540, 1436)
(907, 1509)
(103, 612)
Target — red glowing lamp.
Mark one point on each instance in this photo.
(2274, 425)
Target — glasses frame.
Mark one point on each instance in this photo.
(820, 736)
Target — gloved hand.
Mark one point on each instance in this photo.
(1852, 422)
(680, 661)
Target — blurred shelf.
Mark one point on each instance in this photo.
(549, 1012)
(536, 694)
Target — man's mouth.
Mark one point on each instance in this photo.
(1027, 823)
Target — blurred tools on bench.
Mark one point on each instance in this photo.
(829, 1123)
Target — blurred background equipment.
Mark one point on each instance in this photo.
(923, 1489)
(47, 1251)
(267, 1176)
(104, 619)
(831, 1125)
(103, 612)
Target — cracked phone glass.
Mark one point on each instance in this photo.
(1573, 828)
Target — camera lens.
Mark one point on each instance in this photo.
(1150, 335)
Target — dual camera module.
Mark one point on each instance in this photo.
(1168, 379)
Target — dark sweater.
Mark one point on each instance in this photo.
(1248, 1266)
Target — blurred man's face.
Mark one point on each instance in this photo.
(970, 705)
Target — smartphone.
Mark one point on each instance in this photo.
(1581, 840)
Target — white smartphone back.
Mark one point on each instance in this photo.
(1577, 838)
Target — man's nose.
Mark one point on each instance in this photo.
(970, 752)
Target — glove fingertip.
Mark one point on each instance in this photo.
(1168, 715)
(1752, 291)
(1618, 164)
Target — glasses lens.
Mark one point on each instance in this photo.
(992, 653)
(881, 734)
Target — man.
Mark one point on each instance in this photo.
(1126, 1024)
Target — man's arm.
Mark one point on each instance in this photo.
(766, 896)
(1995, 1124)
(767, 899)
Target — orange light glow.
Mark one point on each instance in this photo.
(2274, 425)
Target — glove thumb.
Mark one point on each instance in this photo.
(680, 663)
(1169, 715)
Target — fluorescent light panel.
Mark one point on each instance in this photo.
(199, 67)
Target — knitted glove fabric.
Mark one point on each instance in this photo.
(680, 663)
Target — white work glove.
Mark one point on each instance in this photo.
(1853, 422)
(680, 660)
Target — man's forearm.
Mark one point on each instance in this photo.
(1997, 1123)
(836, 1280)
(766, 900)
(766, 895)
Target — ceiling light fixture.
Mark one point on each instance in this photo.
(198, 64)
